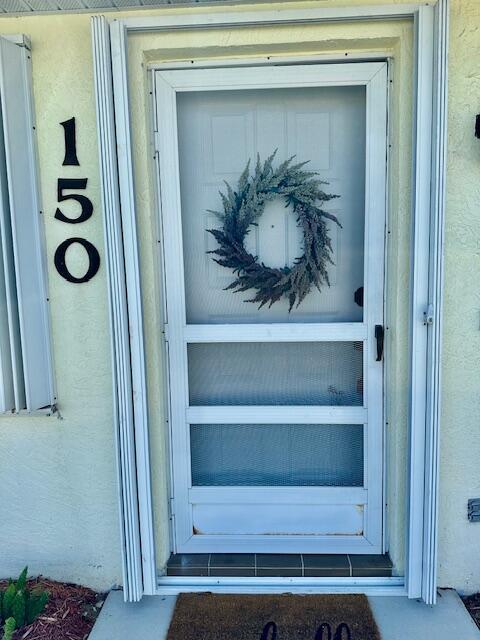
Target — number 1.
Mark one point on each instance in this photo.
(70, 143)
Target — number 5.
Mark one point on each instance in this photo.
(85, 203)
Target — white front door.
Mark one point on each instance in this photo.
(276, 416)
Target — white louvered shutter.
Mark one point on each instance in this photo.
(26, 367)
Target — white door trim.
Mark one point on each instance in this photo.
(128, 368)
(431, 23)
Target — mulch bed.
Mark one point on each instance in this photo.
(472, 603)
(69, 615)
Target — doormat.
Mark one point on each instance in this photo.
(208, 616)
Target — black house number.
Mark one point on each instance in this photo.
(61, 264)
(85, 203)
(74, 185)
(70, 143)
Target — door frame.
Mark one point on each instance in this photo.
(126, 316)
(373, 76)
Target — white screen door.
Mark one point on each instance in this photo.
(276, 416)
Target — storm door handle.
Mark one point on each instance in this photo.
(380, 338)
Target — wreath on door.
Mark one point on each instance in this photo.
(241, 210)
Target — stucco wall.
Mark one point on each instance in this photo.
(459, 541)
(57, 477)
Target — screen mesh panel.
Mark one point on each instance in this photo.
(219, 131)
(282, 373)
(276, 455)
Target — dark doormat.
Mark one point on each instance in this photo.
(208, 616)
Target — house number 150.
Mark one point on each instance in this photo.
(86, 211)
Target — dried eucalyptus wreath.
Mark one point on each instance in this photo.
(242, 209)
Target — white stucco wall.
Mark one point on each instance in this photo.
(459, 540)
(57, 477)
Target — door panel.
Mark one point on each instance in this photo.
(268, 520)
(276, 417)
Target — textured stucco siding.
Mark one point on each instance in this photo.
(58, 477)
(459, 540)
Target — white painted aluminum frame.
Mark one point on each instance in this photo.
(169, 585)
(425, 339)
(128, 364)
(168, 83)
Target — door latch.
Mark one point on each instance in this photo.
(380, 338)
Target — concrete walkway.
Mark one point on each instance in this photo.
(398, 618)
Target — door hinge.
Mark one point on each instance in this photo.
(165, 332)
(428, 315)
(157, 142)
(171, 504)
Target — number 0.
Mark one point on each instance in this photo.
(61, 256)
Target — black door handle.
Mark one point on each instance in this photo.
(380, 338)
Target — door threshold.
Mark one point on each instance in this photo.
(393, 586)
(278, 565)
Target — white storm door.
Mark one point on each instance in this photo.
(276, 417)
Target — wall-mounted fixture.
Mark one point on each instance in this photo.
(474, 510)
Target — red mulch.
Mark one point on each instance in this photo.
(69, 615)
(472, 603)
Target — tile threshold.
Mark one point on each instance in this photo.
(303, 565)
